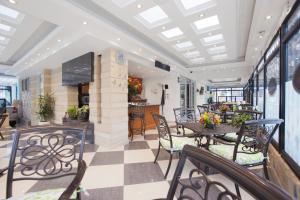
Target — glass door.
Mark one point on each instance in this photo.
(187, 93)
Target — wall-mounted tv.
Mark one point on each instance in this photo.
(79, 70)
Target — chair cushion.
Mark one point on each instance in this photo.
(178, 143)
(186, 131)
(232, 137)
(52, 194)
(226, 151)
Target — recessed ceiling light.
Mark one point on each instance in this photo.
(178, 41)
(38, 54)
(163, 28)
(207, 22)
(260, 36)
(219, 57)
(174, 32)
(153, 15)
(118, 39)
(12, 1)
(48, 48)
(188, 4)
(9, 12)
(214, 39)
(192, 54)
(197, 60)
(255, 49)
(214, 50)
(59, 40)
(209, 34)
(123, 3)
(84, 23)
(268, 17)
(139, 6)
(2, 38)
(184, 44)
(201, 15)
(5, 27)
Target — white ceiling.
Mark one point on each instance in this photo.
(109, 25)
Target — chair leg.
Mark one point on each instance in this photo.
(1, 136)
(130, 130)
(170, 161)
(78, 193)
(237, 188)
(266, 170)
(157, 153)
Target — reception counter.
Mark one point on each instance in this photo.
(149, 122)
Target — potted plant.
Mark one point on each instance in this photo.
(45, 107)
(83, 113)
(132, 91)
(238, 120)
(72, 112)
(224, 108)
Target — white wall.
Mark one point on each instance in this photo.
(153, 90)
(201, 99)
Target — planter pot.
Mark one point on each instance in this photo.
(84, 117)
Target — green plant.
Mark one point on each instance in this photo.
(132, 91)
(238, 120)
(45, 107)
(83, 112)
(210, 100)
(72, 112)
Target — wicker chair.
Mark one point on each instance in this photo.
(200, 186)
(49, 153)
(171, 143)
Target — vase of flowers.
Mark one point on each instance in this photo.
(224, 108)
(210, 120)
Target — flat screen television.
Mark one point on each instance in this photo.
(79, 70)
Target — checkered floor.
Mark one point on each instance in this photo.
(125, 172)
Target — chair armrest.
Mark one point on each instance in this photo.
(75, 183)
(3, 170)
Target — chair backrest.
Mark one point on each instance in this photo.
(202, 109)
(200, 186)
(258, 135)
(2, 119)
(137, 111)
(184, 114)
(254, 114)
(162, 128)
(48, 153)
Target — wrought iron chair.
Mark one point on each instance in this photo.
(201, 186)
(252, 144)
(202, 109)
(137, 113)
(171, 143)
(184, 115)
(254, 115)
(49, 153)
(2, 120)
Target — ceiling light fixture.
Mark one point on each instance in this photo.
(84, 23)
(268, 17)
(174, 32)
(163, 28)
(59, 40)
(201, 15)
(48, 49)
(260, 36)
(153, 15)
(118, 39)
(184, 45)
(9, 12)
(207, 22)
(12, 1)
(255, 49)
(139, 6)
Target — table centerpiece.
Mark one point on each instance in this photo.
(210, 120)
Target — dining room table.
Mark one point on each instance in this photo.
(201, 132)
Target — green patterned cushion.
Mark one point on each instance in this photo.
(232, 137)
(52, 194)
(226, 151)
(178, 143)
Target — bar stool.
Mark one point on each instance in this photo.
(137, 114)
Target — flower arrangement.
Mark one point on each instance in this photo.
(210, 120)
(223, 108)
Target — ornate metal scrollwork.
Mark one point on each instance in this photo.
(200, 187)
(48, 154)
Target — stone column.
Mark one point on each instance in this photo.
(113, 127)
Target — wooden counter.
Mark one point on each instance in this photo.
(149, 122)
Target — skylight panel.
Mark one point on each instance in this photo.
(207, 22)
(184, 45)
(123, 3)
(153, 15)
(219, 49)
(4, 27)
(219, 57)
(192, 54)
(171, 33)
(197, 60)
(8, 12)
(214, 39)
(188, 4)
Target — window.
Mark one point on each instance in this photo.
(227, 94)
(260, 92)
(255, 90)
(292, 99)
(272, 90)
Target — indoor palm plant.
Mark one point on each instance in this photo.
(45, 107)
